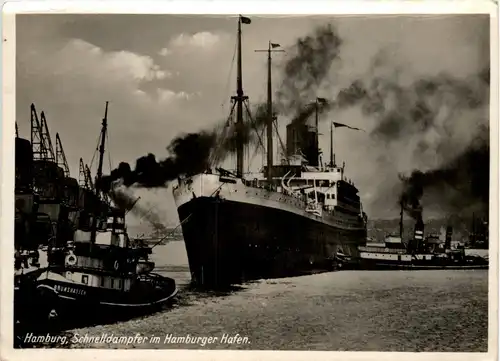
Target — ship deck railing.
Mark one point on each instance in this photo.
(156, 280)
(382, 250)
(301, 202)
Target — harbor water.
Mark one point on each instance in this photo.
(445, 310)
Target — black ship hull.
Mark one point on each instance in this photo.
(228, 242)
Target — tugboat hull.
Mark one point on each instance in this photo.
(387, 261)
(149, 290)
(373, 265)
(51, 295)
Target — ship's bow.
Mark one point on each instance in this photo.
(212, 253)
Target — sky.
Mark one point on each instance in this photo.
(165, 75)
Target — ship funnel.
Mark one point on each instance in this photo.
(449, 233)
(302, 139)
(418, 233)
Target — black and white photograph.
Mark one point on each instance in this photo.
(253, 182)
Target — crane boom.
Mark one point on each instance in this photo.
(37, 141)
(46, 138)
(61, 157)
(81, 175)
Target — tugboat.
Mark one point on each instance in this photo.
(104, 269)
(419, 253)
(97, 267)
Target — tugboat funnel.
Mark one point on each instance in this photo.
(419, 233)
(449, 233)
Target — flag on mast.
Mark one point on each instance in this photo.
(274, 45)
(340, 125)
(245, 20)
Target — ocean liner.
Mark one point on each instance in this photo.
(300, 216)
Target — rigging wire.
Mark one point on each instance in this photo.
(95, 151)
(224, 102)
(185, 220)
(223, 133)
(258, 146)
(281, 144)
(109, 153)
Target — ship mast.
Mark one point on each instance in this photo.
(239, 109)
(269, 119)
(270, 115)
(316, 136)
(99, 175)
(239, 98)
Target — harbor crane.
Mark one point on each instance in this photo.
(38, 144)
(61, 157)
(46, 138)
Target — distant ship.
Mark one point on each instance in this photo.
(301, 216)
(419, 252)
(478, 234)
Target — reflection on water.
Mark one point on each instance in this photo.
(347, 310)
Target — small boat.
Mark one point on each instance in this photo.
(109, 274)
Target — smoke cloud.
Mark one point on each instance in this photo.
(124, 199)
(460, 186)
(190, 155)
(309, 64)
(304, 73)
(441, 121)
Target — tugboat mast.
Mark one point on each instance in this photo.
(103, 142)
(99, 176)
(401, 215)
(332, 155)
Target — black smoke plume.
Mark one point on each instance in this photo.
(418, 107)
(463, 183)
(455, 110)
(303, 74)
(460, 185)
(190, 155)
